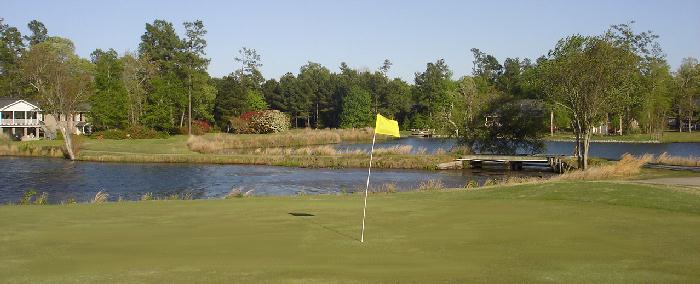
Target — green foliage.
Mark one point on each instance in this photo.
(27, 197)
(255, 101)
(356, 111)
(432, 94)
(110, 102)
(11, 49)
(513, 125)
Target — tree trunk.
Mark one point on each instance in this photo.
(316, 114)
(620, 124)
(182, 118)
(551, 123)
(680, 119)
(67, 139)
(586, 145)
(189, 107)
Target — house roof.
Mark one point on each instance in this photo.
(5, 102)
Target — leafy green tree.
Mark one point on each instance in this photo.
(514, 125)
(273, 95)
(687, 79)
(357, 109)
(255, 100)
(193, 65)
(320, 87)
(136, 74)
(61, 79)
(396, 100)
(11, 49)
(432, 93)
(249, 72)
(39, 33)
(110, 101)
(160, 46)
(486, 66)
(640, 51)
(582, 76)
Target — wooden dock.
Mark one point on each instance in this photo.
(514, 162)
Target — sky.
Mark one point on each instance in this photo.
(288, 34)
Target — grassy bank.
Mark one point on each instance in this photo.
(666, 137)
(175, 149)
(554, 232)
(305, 161)
(294, 138)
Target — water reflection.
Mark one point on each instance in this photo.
(601, 150)
(64, 180)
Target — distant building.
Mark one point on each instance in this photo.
(24, 119)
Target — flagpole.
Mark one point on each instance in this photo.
(369, 172)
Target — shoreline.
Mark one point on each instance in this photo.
(389, 161)
(616, 141)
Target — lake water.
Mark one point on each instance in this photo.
(64, 179)
(601, 150)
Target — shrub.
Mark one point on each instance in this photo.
(199, 127)
(240, 126)
(113, 134)
(269, 121)
(143, 132)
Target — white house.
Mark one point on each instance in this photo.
(20, 118)
(24, 119)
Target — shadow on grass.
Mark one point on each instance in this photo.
(312, 221)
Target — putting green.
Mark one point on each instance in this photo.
(558, 232)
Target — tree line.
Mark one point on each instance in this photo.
(620, 77)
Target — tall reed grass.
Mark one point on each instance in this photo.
(666, 159)
(627, 166)
(100, 197)
(296, 138)
(26, 150)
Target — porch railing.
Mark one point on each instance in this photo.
(19, 122)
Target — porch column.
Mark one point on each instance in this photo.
(13, 119)
(25, 131)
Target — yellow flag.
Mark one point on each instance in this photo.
(387, 126)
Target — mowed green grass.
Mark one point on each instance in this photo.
(176, 144)
(554, 232)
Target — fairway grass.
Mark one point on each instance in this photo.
(551, 232)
